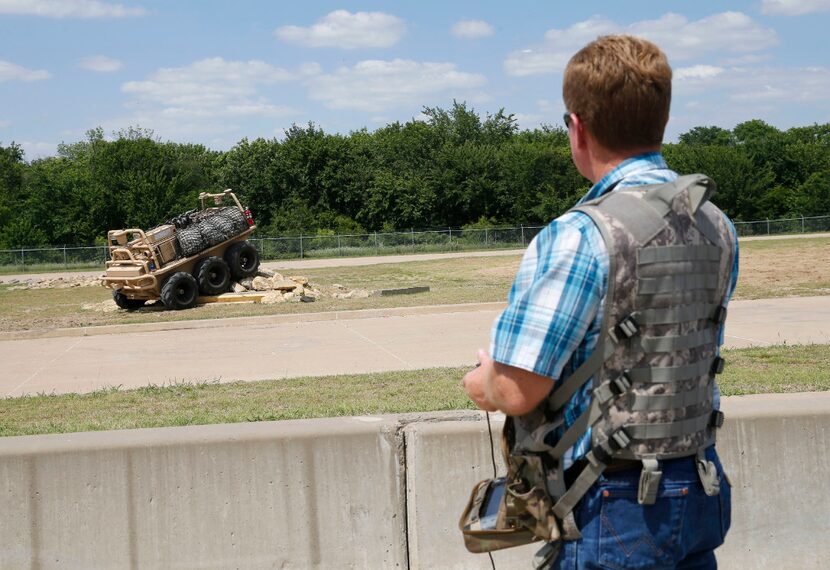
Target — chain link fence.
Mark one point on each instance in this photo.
(378, 243)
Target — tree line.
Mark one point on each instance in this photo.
(455, 168)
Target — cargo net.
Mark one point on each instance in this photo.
(206, 228)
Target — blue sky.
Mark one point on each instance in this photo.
(213, 72)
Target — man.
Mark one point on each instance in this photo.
(617, 91)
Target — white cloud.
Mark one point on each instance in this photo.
(69, 9)
(204, 97)
(697, 72)
(101, 64)
(754, 84)
(794, 7)
(472, 29)
(680, 38)
(344, 30)
(34, 150)
(4, 124)
(13, 72)
(377, 85)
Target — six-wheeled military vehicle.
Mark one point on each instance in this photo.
(198, 252)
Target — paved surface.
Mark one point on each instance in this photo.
(319, 344)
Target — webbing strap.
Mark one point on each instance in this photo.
(572, 383)
(587, 477)
(671, 343)
(676, 428)
(585, 420)
(677, 314)
(649, 481)
(657, 374)
(651, 402)
(638, 216)
(669, 253)
(704, 223)
(677, 282)
(698, 186)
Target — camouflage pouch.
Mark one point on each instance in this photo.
(485, 523)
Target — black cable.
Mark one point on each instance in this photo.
(493, 459)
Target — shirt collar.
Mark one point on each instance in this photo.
(634, 165)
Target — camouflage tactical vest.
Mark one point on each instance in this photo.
(671, 254)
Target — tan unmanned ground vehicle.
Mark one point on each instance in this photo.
(198, 252)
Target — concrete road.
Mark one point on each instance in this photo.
(82, 360)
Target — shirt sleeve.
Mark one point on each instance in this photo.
(554, 300)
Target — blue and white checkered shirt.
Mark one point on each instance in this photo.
(554, 312)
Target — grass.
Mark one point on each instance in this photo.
(769, 268)
(461, 280)
(776, 369)
(50, 268)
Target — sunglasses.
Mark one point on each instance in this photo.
(568, 120)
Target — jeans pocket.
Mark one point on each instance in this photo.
(634, 536)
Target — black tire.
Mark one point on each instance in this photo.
(213, 276)
(190, 241)
(180, 291)
(125, 302)
(243, 259)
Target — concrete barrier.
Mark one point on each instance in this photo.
(378, 492)
(296, 494)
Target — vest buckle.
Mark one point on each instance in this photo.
(717, 365)
(627, 327)
(716, 419)
(720, 315)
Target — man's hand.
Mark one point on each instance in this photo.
(494, 386)
(475, 380)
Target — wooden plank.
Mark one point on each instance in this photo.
(253, 297)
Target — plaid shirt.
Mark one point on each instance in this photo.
(552, 321)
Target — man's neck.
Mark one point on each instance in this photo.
(604, 161)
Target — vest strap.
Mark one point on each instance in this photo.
(677, 282)
(636, 214)
(650, 403)
(671, 373)
(649, 482)
(677, 253)
(676, 428)
(586, 370)
(676, 315)
(670, 343)
(708, 474)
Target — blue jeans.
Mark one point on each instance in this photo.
(681, 530)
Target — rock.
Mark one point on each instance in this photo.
(288, 296)
(238, 288)
(261, 284)
(262, 272)
(306, 299)
(299, 279)
(272, 297)
(247, 283)
(299, 291)
(283, 284)
(361, 293)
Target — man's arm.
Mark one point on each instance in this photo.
(494, 386)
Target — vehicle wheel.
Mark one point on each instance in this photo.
(125, 302)
(243, 259)
(213, 276)
(180, 291)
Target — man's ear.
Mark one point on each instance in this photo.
(580, 133)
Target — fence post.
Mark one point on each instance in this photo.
(64, 256)
(767, 227)
(376, 242)
(523, 236)
(412, 235)
(23, 257)
(802, 223)
(486, 231)
(449, 231)
(339, 247)
(301, 245)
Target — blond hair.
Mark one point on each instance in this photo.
(620, 87)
